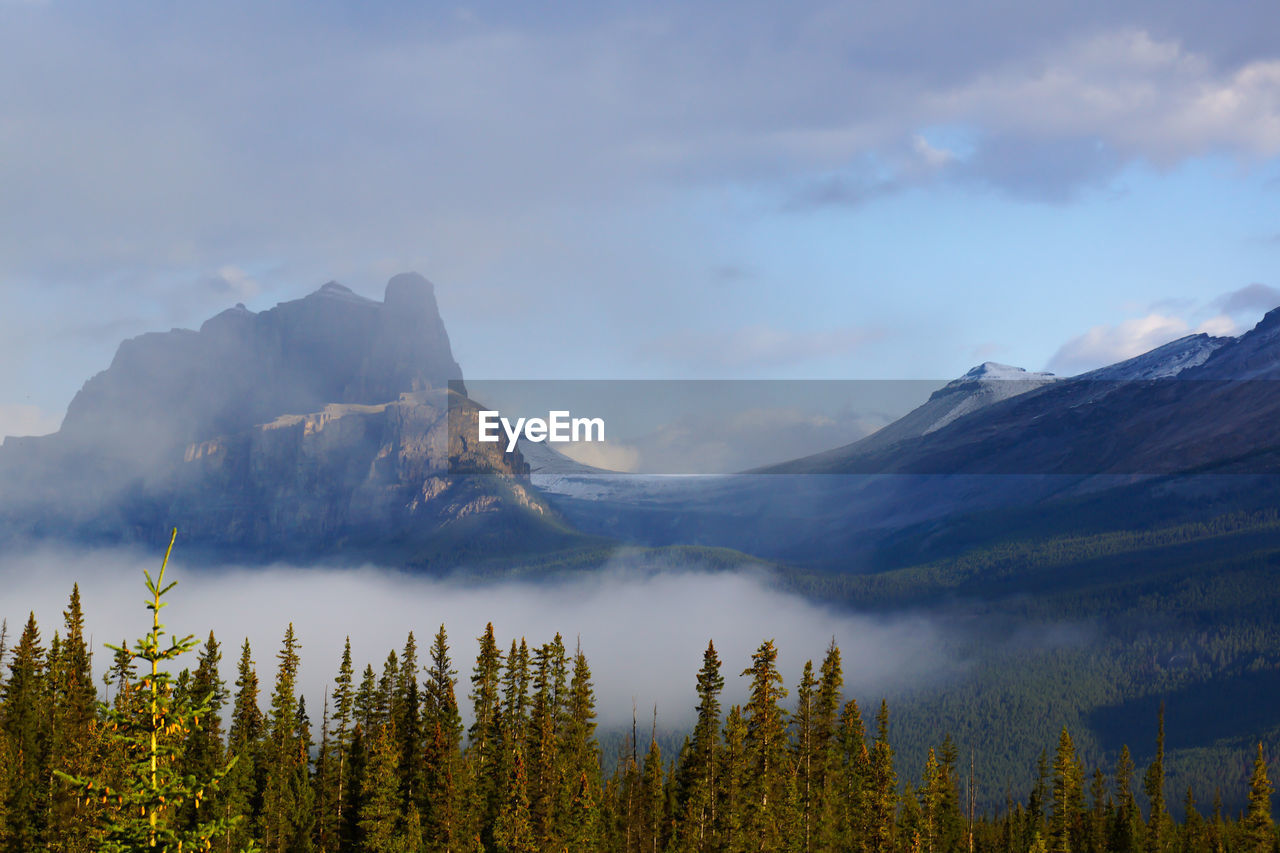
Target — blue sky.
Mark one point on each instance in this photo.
(657, 190)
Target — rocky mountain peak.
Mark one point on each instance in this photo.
(244, 368)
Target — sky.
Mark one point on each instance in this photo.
(659, 190)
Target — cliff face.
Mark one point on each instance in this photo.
(322, 423)
(243, 368)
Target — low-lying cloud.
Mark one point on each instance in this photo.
(643, 629)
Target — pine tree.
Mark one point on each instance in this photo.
(1192, 839)
(653, 796)
(74, 747)
(485, 740)
(512, 832)
(807, 757)
(406, 716)
(381, 816)
(766, 748)
(951, 822)
(441, 806)
(1124, 834)
(540, 746)
(853, 828)
(325, 786)
(882, 787)
(243, 787)
(26, 730)
(1258, 830)
(1153, 785)
(930, 796)
(697, 824)
(155, 791)
(1068, 797)
(282, 817)
(203, 753)
(579, 776)
(343, 724)
(827, 787)
(1098, 814)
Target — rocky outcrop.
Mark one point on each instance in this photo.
(322, 422)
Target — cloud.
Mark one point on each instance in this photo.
(231, 282)
(1136, 93)
(21, 419)
(1168, 319)
(1106, 344)
(1255, 298)
(642, 626)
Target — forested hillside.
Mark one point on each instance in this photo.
(392, 763)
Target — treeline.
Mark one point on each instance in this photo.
(189, 762)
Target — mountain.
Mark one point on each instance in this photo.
(325, 424)
(1163, 362)
(1102, 445)
(982, 386)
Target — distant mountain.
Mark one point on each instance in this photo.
(1120, 438)
(320, 425)
(1163, 362)
(980, 387)
(1198, 403)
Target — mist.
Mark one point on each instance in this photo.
(643, 629)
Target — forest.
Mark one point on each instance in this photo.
(184, 761)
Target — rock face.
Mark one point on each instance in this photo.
(322, 422)
(243, 368)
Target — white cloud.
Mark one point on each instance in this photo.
(233, 282)
(1147, 97)
(1107, 344)
(1227, 315)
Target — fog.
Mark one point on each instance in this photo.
(643, 629)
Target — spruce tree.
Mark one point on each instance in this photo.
(579, 775)
(853, 829)
(485, 740)
(243, 788)
(381, 815)
(653, 797)
(406, 716)
(882, 787)
(441, 805)
(1067, 797)
(1153, 785)
(807, 756)
(1258, 834)
(697, 822)
(1191, 839)
(152, 731)
(342, 731)
(512, 832)
(284, 818)
(26, 729)
(1124, 835)
(826, 734)
(540, 746)
(74, 747)
(203, 753)
(766, 748)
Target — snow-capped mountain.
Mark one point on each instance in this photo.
(1163, 362)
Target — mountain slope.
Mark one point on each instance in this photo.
(325, 424)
